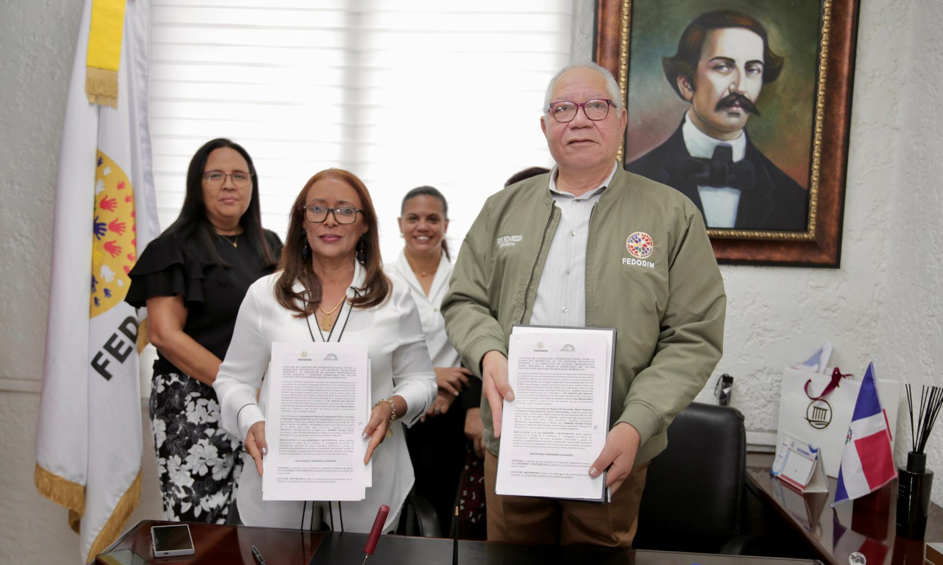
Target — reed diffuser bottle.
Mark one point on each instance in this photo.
(914, 481)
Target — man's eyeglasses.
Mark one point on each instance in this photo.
(564, 111)
(217, 178)
(342, 214)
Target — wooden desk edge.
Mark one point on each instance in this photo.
(127, 533)
(756, 462)
(133, 531)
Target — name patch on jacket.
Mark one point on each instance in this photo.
(638, 262)
(509, 240)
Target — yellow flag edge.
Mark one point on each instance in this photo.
(101, 87)
(144, 337)
(72, 496)
(119, 518)
(104, 52)
(61, 491)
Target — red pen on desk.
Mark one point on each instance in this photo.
(371, 545)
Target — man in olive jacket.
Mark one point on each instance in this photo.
(589, 245)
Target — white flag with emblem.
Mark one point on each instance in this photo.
(89, 446)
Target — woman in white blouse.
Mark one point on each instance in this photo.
(437, 446)
(329, 287)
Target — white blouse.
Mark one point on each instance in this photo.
(430, 307)
(399, 365)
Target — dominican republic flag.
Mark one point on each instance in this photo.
(867, 462)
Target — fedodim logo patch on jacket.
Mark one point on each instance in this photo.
(640, 246)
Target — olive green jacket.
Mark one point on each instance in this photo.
(668, 306)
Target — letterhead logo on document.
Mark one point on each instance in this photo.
(819, 414)
(640, 246)
(568, 348)
(330, 357)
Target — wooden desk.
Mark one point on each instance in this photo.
(868, 526)
(230, 545)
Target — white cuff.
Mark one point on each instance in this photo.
(417, 402)
(246, 417)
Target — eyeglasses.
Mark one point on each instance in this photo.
(564, 111)
(342, 214)
(217, 178)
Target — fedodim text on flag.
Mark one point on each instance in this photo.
(89, 446)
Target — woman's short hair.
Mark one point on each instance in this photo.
(435, 193)
(295, 267)
(193, 225)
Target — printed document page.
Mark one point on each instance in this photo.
(318, 406)
(557, 424)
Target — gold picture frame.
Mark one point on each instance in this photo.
(828, 108)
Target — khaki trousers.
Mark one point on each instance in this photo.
(521, 519)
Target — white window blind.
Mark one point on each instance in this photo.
(402, 93)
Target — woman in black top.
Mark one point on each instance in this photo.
(193, 279)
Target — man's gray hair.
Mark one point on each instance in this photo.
(612, 87)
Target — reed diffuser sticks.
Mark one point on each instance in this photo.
(931, 400)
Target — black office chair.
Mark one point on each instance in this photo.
(694, 494)
(419, 518)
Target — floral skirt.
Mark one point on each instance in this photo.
(198, 462)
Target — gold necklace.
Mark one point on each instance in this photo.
(326, 320)
(234, 242)
(419, 273)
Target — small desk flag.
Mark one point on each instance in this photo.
(867, 462)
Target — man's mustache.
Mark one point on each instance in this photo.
(736, 98)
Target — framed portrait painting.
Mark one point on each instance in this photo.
(743, 106)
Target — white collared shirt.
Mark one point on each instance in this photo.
(720, 203)
(561, 293)
(399, 365)
(433, 324)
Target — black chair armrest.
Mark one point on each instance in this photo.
(427, 519)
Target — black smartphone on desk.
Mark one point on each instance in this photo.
(171, 541)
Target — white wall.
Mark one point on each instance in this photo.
(883, 302)
(911, 323)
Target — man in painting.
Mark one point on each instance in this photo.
(722, 63)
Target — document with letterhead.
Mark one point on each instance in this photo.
(318, 406)
(558, 422)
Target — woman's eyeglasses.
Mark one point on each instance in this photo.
(342, 214)
(217, 178)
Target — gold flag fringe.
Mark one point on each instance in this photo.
(75, 521)
(143, 336)
(101, 86)
(115, 524)
(72, 496)
(61, 491)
